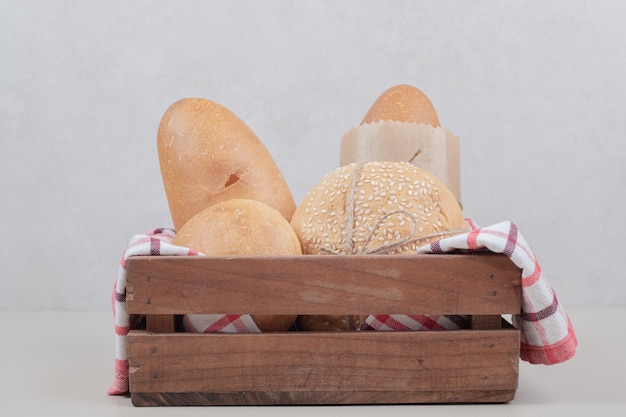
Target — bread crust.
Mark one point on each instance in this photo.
(373, 208)
(376, 208)
(402, 103)
(207, 155)
(242, 227)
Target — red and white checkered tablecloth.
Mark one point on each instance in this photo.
(547, 335)
(157, 242)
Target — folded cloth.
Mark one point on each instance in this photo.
(158, 242)
(402, 322)
(547, 335)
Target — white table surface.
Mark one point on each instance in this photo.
(61, 363)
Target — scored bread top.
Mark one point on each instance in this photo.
(376, 207)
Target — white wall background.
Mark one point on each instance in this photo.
(535, 91)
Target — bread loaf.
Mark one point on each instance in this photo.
(373, 208)
(402, 125)
(402, 103)
(239, 227)
(207, 155)
(242, 227)
(376, 208)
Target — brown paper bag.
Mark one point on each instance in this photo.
(433, 149)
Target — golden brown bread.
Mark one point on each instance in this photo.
(376, 207)
(242, 227)
(239, 227)
(373, 208)
(403, 103)
(207, 154)
(402, 125)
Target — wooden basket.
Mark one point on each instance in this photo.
(168, 367)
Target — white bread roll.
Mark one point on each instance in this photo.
(376, 207)
(207, 155)
(242, 227)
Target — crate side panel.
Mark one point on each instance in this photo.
(331, 362)
(420, 284)
(141, 399)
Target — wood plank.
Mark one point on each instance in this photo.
(318, 284)
(151, 399)
(450, 361)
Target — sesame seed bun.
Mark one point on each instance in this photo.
(403, 103)
(376, 208)
(373, 208)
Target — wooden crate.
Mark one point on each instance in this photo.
(176, 368)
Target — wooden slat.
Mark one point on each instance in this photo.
(152, 399)
(317, 284)
(450, 361)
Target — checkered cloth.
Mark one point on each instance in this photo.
(401, 322)
(547, 335)
(153, 243)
